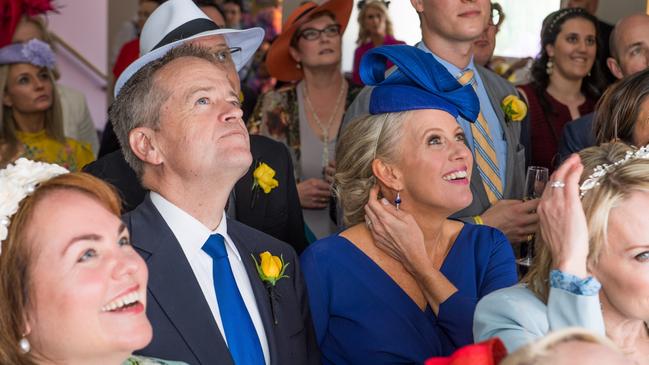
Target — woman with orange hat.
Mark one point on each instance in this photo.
(306, 114)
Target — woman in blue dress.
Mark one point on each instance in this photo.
(401, 283)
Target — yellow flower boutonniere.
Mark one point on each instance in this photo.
(263, 177)
(515, 109)
(271, 269)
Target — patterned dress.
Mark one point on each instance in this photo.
(38, 146)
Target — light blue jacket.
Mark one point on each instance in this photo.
(519, 317)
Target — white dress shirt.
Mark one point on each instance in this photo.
(192, 234)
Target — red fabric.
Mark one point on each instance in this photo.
(544, 143)
(362, 49)
(129, 53)
(10, 13)
(37, 7)
(12, 10)
(489, 352)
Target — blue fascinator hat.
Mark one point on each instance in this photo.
(418, 82)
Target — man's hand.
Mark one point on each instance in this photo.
(516, 219)
(314, 193)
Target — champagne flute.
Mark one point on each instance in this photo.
(535, 182)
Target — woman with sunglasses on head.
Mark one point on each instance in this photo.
(307, 113)
(375, 30)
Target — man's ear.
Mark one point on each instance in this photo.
(615, 68)
(418, 5)
(388, 175)
(143, 144)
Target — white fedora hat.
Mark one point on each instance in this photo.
(177, 21)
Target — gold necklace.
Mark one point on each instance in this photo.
(325, 128)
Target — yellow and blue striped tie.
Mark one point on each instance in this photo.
(485, 151)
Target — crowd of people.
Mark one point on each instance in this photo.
(251, 203)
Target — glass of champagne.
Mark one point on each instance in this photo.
(535, 182)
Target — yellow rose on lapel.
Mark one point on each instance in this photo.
(515, 109)
(271, 265)
(270, 268)
(265, 178)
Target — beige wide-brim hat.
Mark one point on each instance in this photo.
(177, 21)
(278, 60)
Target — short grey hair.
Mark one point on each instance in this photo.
(140, 100)
(361, 142)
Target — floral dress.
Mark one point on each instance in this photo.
(38, 146)
(277, 115)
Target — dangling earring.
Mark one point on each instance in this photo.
(298, 65)
(397, 200)
(549, 65)
(24, 345)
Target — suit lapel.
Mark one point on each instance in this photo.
(174, 287)
(246, 249)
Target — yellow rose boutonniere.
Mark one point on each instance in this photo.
(515, 109)
(263, 177)
(271, 269)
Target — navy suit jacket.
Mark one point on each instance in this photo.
(183, 326)
(577, 135)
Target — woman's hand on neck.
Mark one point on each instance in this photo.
(29, 122)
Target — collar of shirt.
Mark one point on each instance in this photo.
(451, 68)
(190, 233)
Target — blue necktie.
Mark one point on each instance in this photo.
(239, 331)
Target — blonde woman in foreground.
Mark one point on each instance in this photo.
(592, 270)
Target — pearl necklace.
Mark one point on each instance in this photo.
(325, 128)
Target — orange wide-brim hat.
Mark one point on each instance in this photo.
(278, 60)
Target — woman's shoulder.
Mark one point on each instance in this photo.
(326, 246)
(479, 233)
(515, 293)
(141, 360)
(510, 302)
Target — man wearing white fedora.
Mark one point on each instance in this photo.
(178, 119)
(277, 213)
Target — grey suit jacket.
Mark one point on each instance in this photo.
(497, 89)
(519, 317)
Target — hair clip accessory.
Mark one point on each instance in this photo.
(601, 170)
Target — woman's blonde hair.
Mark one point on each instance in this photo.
(8, 139)
(364, 34)
(615, 187)
(362, 141)
(18, 256)
(539, 352)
